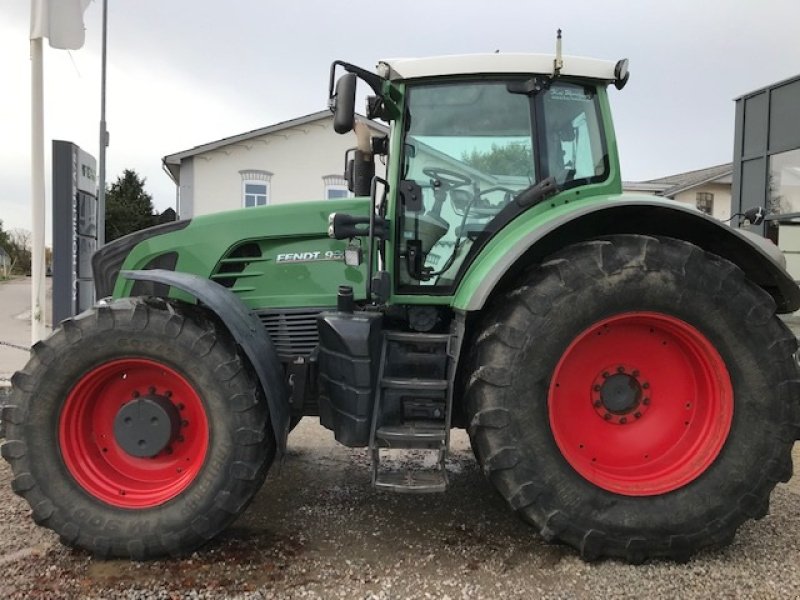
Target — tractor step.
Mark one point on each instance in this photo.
(413, 406)
(414, 383)
(412, 435)
(412, 482)
(416, 338)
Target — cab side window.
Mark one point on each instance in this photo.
(573, 144)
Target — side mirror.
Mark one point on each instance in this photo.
(343, 103)
(621, 73)
(359, 169)
(363, 171)
(348, 173)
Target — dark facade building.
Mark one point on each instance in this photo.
(766, 162)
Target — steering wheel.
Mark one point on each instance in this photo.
(448, 179)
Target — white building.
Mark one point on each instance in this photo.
(707, 189)
(296, 160)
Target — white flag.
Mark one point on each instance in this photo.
(61, 21)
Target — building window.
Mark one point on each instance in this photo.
(705, 202)
(784, 183)
(333, 192)
(335, 187)
(255, 194)
(255, 187)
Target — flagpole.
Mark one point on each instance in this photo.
(37, 192)
(101, 191)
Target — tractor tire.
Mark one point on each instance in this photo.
(635, 398)
(81, 445)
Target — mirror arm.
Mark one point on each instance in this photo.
(371, 79)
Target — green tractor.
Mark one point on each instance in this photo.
(617, 360)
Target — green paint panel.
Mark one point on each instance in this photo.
(299, 266)
(493, 254)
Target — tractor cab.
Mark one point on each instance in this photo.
(476, 140)
(471, 149)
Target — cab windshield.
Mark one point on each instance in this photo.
(472, 147)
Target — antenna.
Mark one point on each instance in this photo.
(558, 63)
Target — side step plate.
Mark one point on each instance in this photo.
(412, 481)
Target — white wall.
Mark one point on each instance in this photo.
(722, 198)
(298, 158)
(789, 242)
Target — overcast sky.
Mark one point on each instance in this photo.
(186, 72)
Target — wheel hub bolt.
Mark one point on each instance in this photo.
(617, 395)
(621, 393)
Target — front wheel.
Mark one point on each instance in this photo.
(632, 398)
(136, 430)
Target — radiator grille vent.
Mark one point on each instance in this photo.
(231, 268)
(293, 332)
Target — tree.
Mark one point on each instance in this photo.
(5, 267)
(128, 207)
(17, 243)
(511, 159)
(3, 237)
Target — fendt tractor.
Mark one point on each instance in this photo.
(616, 360)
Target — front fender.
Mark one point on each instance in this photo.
(528, 240)
(245, 328)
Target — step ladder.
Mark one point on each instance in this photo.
(413, 406)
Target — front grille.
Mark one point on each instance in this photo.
(293, 332)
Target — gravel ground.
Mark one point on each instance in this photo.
(317, 530)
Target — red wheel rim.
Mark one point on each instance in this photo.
(640, 404)
(95, 459)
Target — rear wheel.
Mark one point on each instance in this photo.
(633, 398)
(136, 430)
(659, 405)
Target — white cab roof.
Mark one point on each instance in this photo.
(481, 64)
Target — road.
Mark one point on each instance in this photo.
(317, 530)
(15, 324)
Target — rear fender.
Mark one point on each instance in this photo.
(245, 328)
(520, 246)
